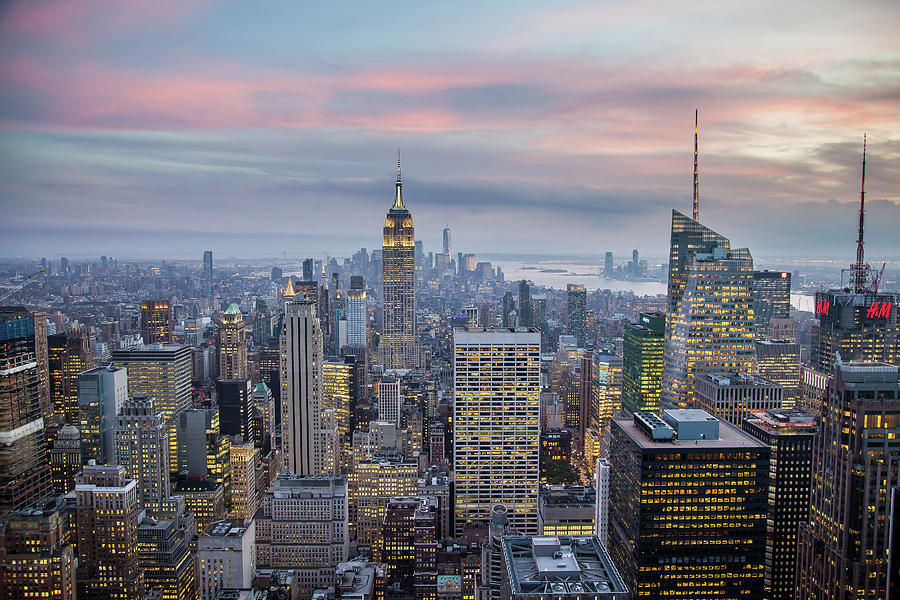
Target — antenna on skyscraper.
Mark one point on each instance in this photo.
(696, 182)
(398, 164)
(860, 271)
(860, 268)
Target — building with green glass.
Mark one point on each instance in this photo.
(642, 367)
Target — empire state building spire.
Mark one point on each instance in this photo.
(398, 198)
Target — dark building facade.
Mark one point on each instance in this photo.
(843, 551)
(235, 407)
(675, 527)
(789, 435)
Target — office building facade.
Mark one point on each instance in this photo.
(496, 421)
(642, 362)
(789, 435)
(157, 322)
(844, 549)
(232, 344)
(101, 394)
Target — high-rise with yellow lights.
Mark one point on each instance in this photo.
(496, 423)
(162, 372)
(710, 319)
(108, 507)
(156, 321)
(398, 348)
(68, 355)
(232, 345)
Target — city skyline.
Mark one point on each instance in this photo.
(127, 130)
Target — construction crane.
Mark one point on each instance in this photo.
(16, 288)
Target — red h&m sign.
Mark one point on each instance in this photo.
(823, 306)
(879, 310)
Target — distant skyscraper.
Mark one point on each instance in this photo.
(606, 376)
(489, 414)
(608, 267)
(509, 305)
(339, 392)
(156, 321)
(789, 435)
(526, 311)
(108, 505)
(263, 417)
(65, 459)
(101, 394)
(390, 398)
(308, 269)
(208, 271)
(232, 345)
(69, 354)
(843, 551)
(141, 442)
(446, 245)
(244, 496)
(398, 348)
(577, 312)
(710, 319)
(771, 299)
(674, 527)
(357, 317)
(635, 263)
(24, 468)
(642, 360)
(235, 408)
(779, 362)
(301, 389)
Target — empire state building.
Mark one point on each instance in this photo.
(397, 349)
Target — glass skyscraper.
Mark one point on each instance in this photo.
(710, 320)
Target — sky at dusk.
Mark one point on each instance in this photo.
(174, 126)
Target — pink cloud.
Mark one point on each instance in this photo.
(76, 22)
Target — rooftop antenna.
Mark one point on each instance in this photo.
(398, 197)
(860, 270)
(696, 182)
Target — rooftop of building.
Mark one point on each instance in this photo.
(568, 495)
(151, 349)
(500, 335)
(868, 372)
(784, 420)
(693, 422)
(226, 528)
(309, 486)
(194, 486)
(561, 566)
(233, 309)
(736, 379)
(103, 369)
(357, 578)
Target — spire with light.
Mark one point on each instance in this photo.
(398, 199)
